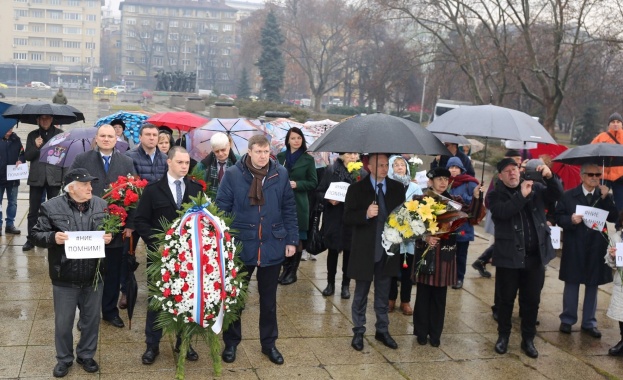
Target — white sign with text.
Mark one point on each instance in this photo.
(421, 179)
(14, 173)
(555, 236)
(337, 191)
(619, 255)
(593, 218)
(85, 245)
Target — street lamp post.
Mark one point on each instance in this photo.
(15, 80)
(198, 62)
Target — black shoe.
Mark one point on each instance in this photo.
(357, 342)
(592, 331)
(501, 346)
(386, 339)
(527, 346)
(61, 369)
(191, 354)
(480, 267)
(150, 355)
(229, 354)
(28, 246)
(12, 230)
(89, 365)
(422, 340)
(115, 321)
(616, 350)
(565, 328)
(329, 290)
(290, 276)
(273, 355)
(494, 314)
(345, 292)
(434, 342)
(458, 285)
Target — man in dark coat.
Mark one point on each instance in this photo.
(522, 248)
(366, 209)
(257, 192)
(11, 153)
(217, 161)
(107, 164)
(582, 260)
(42, 176)
(161, 200)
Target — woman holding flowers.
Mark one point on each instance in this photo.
(399, 171)
(430, 300)
(462, 185)
(615, 310)
(302, 172)
(335, 234)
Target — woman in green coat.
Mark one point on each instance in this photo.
(302, 172)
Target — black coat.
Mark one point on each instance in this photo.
(41, 173)
(335, 234)
(505, 205)
(359, 196)
(583, 250)
(11, 151)
(157, 203)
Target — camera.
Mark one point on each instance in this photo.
(532, 175)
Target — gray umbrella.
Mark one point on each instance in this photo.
(602, 154)
(379, 133)
(491, 121)
(452, 139)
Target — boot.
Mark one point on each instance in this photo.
(329, 290)
(392, 305)
(345, 292)
(406, 308)
(287, 263)
(290, 277)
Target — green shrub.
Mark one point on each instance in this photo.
(349, 111)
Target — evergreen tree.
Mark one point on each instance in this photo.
(271, 63)
(244, 91)
(589, 127)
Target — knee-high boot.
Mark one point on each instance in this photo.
(287, 264)
(290, 277)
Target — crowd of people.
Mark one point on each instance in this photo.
(271, 198)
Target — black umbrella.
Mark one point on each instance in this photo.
(131, 286)
(491, 121)
(379, 133)
(28, 112)
(602, 154)
(452, 139)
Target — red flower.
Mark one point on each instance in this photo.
(182, 256)
(183, 274)
(217, 285)
(233, 291)
(405, 265)
(170, 231)
(209, 269)
(189, 266)
(177, 267)
(227, 236)
(462, 233)
(115, 195)
(166, 276)
(203, 184)
(234, 273)
(178, 298)
(165, 252)
(185, 287)
(594, 226)
(167, 292)
(190, 319)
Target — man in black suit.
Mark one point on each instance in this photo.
(107, 164)
(162, 199)
(367, 206)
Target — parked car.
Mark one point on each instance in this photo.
(104, 91)
(119, 88)
(39, 85)
(2, 85)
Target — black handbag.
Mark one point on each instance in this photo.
(423, 262)
(315, 243)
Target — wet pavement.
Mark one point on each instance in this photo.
(314, 331)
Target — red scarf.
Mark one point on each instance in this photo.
(461, 179)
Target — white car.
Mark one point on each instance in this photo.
(120, 89)
(38, 85)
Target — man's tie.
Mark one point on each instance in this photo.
(106, 163)
(589, 198)
(380, 223)
(220, 171)
(178, 192)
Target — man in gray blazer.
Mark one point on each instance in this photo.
(107, 164)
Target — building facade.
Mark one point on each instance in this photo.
(186, 36)
(52, 41)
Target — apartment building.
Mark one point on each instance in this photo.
(52, 41)
(191, 36)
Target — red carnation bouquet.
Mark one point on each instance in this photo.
(122, 196)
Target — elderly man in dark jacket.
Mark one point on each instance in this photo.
(41, 176)
(107, 165)
(582, 260)
(257, 192)
(75, 282)
(11, 153)
(367, 206)
(522, 247)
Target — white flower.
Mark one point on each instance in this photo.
(418, 227)
(392, 235)
(415, 160)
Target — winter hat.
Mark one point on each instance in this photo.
(438, 172)
(504, 163)
(615, 116)
(455, 161)
(512, 153)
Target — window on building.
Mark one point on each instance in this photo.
(72, 16)
(158, 48)
(159, 25)
(130, 21)
(161, 11)
(73, 3)
(90, 32)
(20, 56)
(173, 36)
(71, 59)
(145, 22)
(54, 57)
(172, 61)
(55, 15)
(55, 28)
(36, 56)
(90, 45)
(173, 24)
(145, 35)
(130, 59)
(227, 64)
(186, 37)
(228, 27)
(118, 44)
(20, 41)
(187, 25)
(36, 1)
(158, 61)
(20, 13)
(54, 43)
(187, 12)
(130, 33)
(92, 4)
(37, 28)
(130, 8)
(213, 26)
(36, 42)
(20, 27)
(129, 72)
(19, 1)
(172, 49)
(71, 44)
(213, 38)
(54, 2)
(37, 13)
(92, 18)
(72, 30)
(226, 51)
(130, 46)
(142, 60)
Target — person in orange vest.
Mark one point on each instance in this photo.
(613, 176)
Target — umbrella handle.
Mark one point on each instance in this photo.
(131, 250)
(484, 160)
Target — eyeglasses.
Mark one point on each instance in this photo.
(593, 174)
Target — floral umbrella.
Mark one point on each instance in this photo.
(133, 122)
(318, 128)
(239, 130)
(62, 149)
(278, 130)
